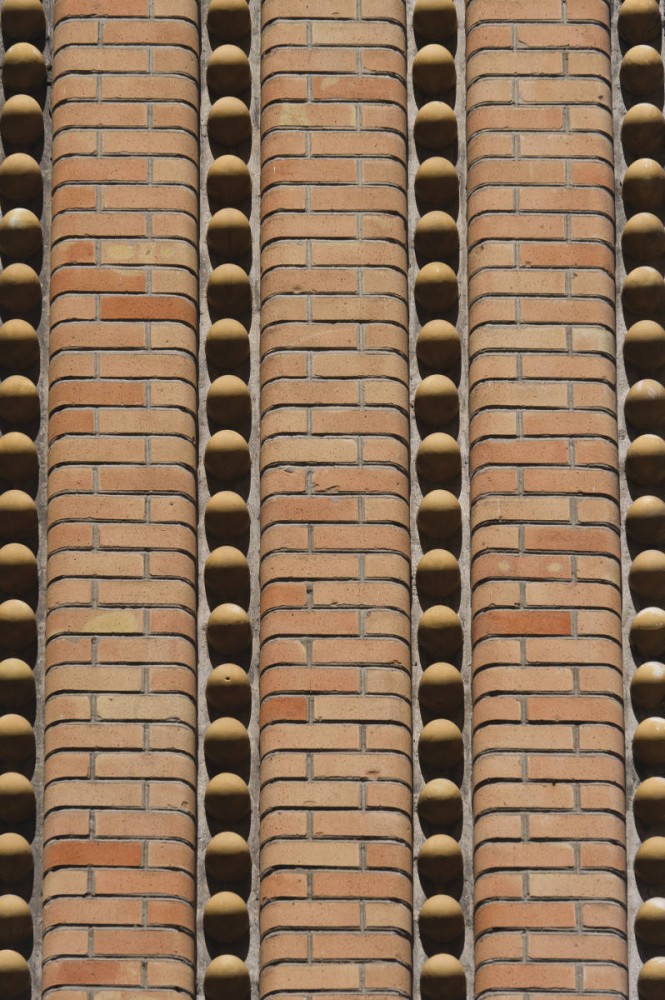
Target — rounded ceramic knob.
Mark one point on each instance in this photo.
(226, 572)
(226, 515)
(17, 797)
(647, 632)
(645, 460)
(435, 126)
(650, 861)
(436, 288)
(436, 236)
(18, 625)
(227, 978)
(228, 71)
(645, 520)
(19, 400)
(20, 178)
(229, 234)
(439, 515)
(438, 458)
(438, 345)
(441, 690)
(229, 122)
(15, 922)
(644, 344)
(17, 738)
(18, 511)
(228, 181)
(647, 574)
(645, 404)
(440, 803)
(229, 290)
(649, 742)
(651, 979)
(19, 345)
(642, 71)
(643, 237)
(643, 130)
(441, 919)
(18, 458)
(227, 456)
(229, 629)
(227, 798)
(20, 233)
(647, 687)
(650, 922)
(228, 402)
(639, 20)
(436, 184)
(644, 185)
(440, 631)
(21, 121)
(440, 859)
(20, 290)
(16, 861)
(227, 344)
(14, 975)
(443, 978)
(225, 917)
(649, 802)
(227, 857)
(228, 19)
(434, 70)
(22, 19)
(643, 291)
(436, 401)
(438, 574)
(17, 683)
(24, 69)
(226, 743)
(434, 20)
(440, 745)
(228, 690)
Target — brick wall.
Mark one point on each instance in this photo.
(295, 606)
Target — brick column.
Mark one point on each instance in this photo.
(548, 742)
(119, 800)
(335, 714)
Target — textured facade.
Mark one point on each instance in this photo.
(332, 510)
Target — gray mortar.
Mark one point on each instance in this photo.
(466, 839)
(42, 452)
(253, 502)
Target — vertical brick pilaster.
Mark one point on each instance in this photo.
(335, 687)
(120, 713)
(548, 741)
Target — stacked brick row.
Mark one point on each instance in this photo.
(120, 770)
(547, 681)
(336, 803)
(228, 432)
(21, 294)
(643, 300)
(438, 684)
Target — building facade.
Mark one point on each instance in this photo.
(332, 500)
